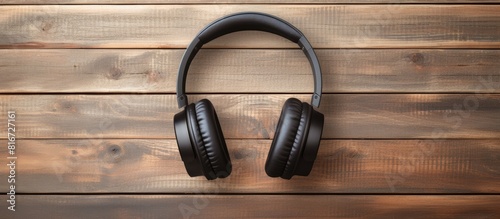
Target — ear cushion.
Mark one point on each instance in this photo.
(284, 138)
(212, 138)
(198, 141)
(299, 142)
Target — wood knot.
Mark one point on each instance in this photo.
(111, 154)
(254, 126)
(46, 26)
(114, 150)
(417, 58)
(245, 153)
(65, 106)
(44, 23)
(114, 73)
(154, 76)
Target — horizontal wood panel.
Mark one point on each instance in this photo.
(342, 166)
(255, 206)
(243, 71)
(326, 26)
(394, 3)
(256, 116)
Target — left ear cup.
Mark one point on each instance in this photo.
(201, 141)
(296, 140)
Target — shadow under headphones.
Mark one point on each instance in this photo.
(198, 132)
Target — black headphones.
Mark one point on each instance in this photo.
(197, 129)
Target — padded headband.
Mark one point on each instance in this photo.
(247, 21)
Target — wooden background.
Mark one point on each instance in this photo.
(412, 108)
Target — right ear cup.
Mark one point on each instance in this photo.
(296, 140)
(201, 141)
(283, 138)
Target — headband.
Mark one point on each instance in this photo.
(241, 22)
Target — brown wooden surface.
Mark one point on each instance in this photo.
(107, 2)
(249, 70)
(255, 116)
(263, 206)
(342, 166)
(412, 108)
(327, 26)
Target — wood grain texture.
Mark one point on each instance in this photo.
(255, 116)
(244, 71)
(118, 2)
(256, 206)
(342, 166)
(412, 108)
(326, 26)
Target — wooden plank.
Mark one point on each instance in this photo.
(256, 116)
(255, 206)
(118, 2)
(326, 26)
(342, 166)
(243, 71)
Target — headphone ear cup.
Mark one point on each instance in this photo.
(296, 140)
(284, 138)
(197, 143)
(298, 143)
(213, 139)
(201, 141)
